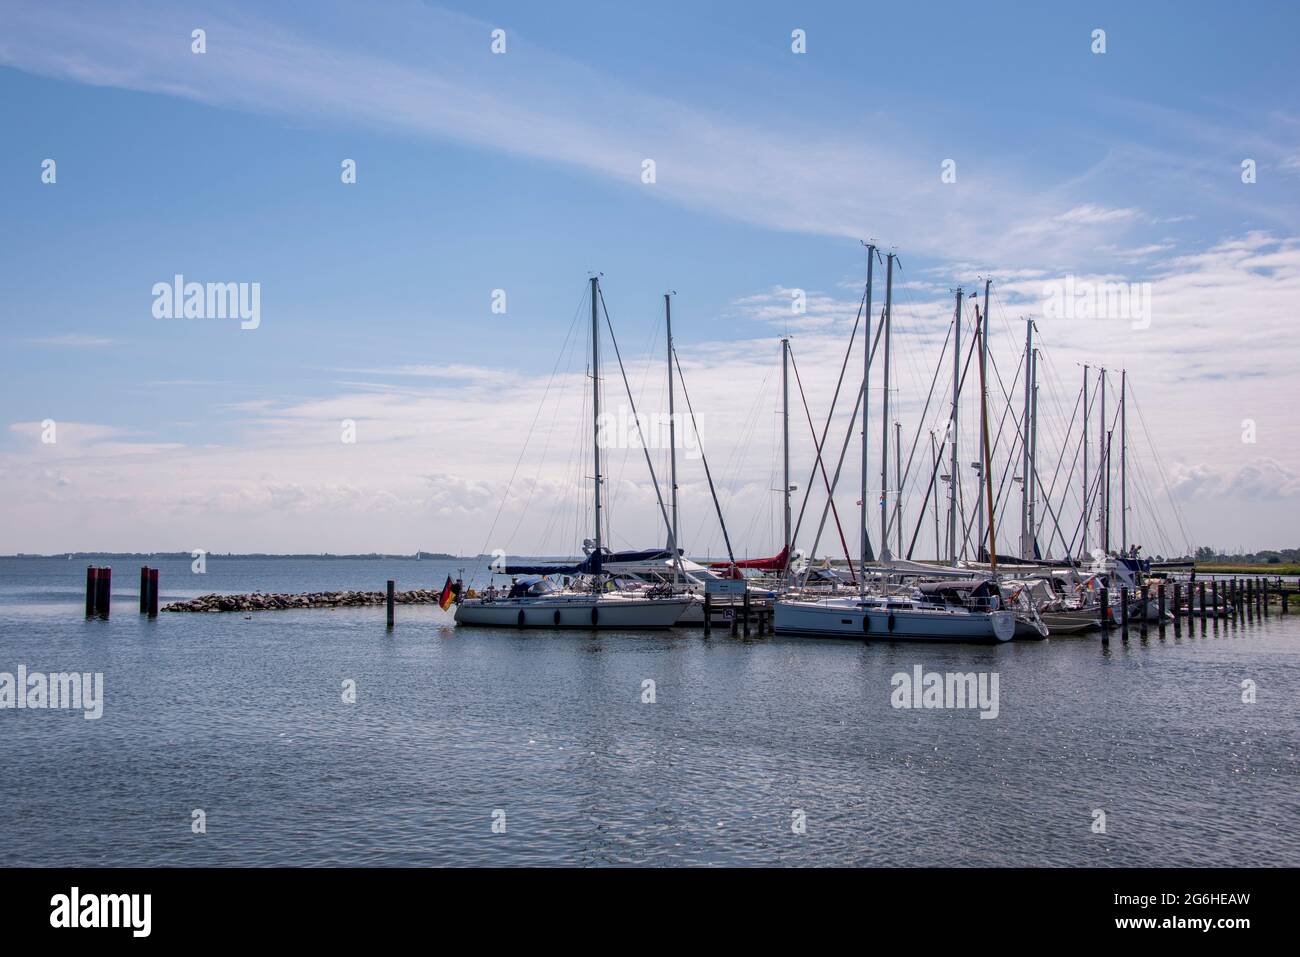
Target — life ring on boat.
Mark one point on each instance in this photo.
(521, 618)
(557, 616)
(889, 622)
(595, 616)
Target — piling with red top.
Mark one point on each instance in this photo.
(104, 591)
(92, 589)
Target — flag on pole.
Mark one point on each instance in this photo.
(444, 600)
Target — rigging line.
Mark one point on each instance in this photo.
(961, 381)
(1056, 474)
(825, 479)
(830, 415)
(528, 437)
(681, 379)
(1178, 516)
(848, 436)
(921, 421)
(636, 418)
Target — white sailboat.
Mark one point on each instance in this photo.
(588, 600)
(917, 617)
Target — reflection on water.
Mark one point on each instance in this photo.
(244, 718)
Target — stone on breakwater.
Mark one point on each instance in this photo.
(321, 599)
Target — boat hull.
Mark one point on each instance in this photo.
(839, 619)
(572, 612)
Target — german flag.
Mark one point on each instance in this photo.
(448, 593)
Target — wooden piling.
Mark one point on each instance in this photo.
(144, 589)
(1105, 615)
(1178, 600)
(1201, 598)
(392, 585)
(104, 592)
(1214, 597)
(708, 614)
(1160, 602)
(153, 593)
(92, 588)
(746, 612)
(1123, 610)
(1264, 597)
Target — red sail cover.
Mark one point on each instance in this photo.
(774, 564)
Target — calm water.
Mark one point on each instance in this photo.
(243, 718)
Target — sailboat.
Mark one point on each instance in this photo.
(588, 597)
(920, 616)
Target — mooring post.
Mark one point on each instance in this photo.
(708, 614)
(144, 589)
(153, 592)
(1214, 597)
(1123, 610)
(735, 625)
(1285, 594)
(1264, 598)
(104, 592)
(1105, 615)
(1178, 600)
(1160, 602)
(391, 586)
(92, 574)
(1201, 598)
(746, 612)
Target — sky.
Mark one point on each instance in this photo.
(379, 402)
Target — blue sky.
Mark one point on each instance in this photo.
(521, 172)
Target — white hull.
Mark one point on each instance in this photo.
(572, 611)
(844, 618)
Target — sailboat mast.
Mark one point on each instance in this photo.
(672, 439)
(884, 414)
(1087, 512)
(785, 444)
(982, 330)
(1033, 465)
(1025, 479)
(865, 543)
(595, 414)
(952, 429)
(986, 473)
(1123, 463)
(898, 483)
(1103, 510)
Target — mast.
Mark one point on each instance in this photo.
(1123, 469)
(898, 483)
(884, 415)
(934, 470)
(785, 445)
(1026, 480)
(865, 555)
(1087, 512)
(672, 440)
(1033, 465)
(595, 413)
(982, 330)
(986, 476)
(952, 428)
(1103, 509)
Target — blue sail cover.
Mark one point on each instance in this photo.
(593, 564)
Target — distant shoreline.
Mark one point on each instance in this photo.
(187, 556)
